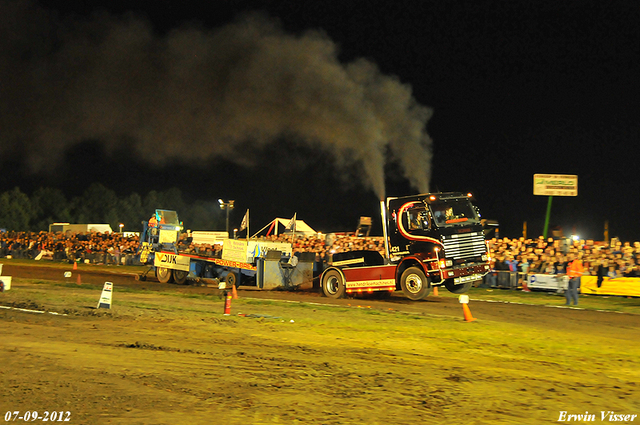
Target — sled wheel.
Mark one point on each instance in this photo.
(180, 276)
(231, 279)
(163, 274)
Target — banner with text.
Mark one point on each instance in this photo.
(555, 185)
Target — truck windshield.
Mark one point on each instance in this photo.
(167, 217)
(451, 212)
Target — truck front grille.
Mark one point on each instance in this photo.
(464, 246)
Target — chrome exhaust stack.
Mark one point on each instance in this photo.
(385, 232)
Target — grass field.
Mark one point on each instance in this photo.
(167, 357)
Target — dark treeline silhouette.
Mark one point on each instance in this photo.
(99, 204)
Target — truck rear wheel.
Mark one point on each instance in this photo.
(163, 274)
(457, 289)
(333, 284)
(180, 276)
(415, 284)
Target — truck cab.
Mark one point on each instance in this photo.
(443, 232)
(430, 239)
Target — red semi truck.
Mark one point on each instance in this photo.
(433, 239)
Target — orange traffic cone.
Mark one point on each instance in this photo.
(467, 313)
(435, 291)
(234, 292)
(79, 281)
(75, 266)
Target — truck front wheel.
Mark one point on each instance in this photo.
(333, 284)
(457, 289)
(163, 274)
(415, 284)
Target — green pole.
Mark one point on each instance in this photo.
(546, 220)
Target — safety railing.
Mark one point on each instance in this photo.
(506, 279)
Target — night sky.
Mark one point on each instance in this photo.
(317, 108)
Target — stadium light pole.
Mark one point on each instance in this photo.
(228, 205)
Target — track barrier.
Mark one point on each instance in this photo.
(619, 286)
(622, 286)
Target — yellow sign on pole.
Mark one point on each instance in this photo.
(555, 184)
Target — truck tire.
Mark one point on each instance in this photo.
(333, 284)
(457, 289)
(415, 284)
(180, 276)
(231, 279)
(164, 274)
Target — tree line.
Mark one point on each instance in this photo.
(98, 204)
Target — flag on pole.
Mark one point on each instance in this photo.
(245, 221)
(292, 224)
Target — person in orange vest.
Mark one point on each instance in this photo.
(153, 229)
(574, 271)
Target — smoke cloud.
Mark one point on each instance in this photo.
(194, 93)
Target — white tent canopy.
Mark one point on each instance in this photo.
(278, 226)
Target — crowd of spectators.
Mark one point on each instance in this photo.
(325, 245)
(116, 249)
(93, 247)
(541, 256)
(550, 256)
(322, 246)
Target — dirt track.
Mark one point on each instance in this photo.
(543, 317)
(158, 359)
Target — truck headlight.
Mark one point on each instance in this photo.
(485, 257)
(445, 263)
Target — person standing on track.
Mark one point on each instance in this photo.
(574, 271)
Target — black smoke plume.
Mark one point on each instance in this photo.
(194, 93)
